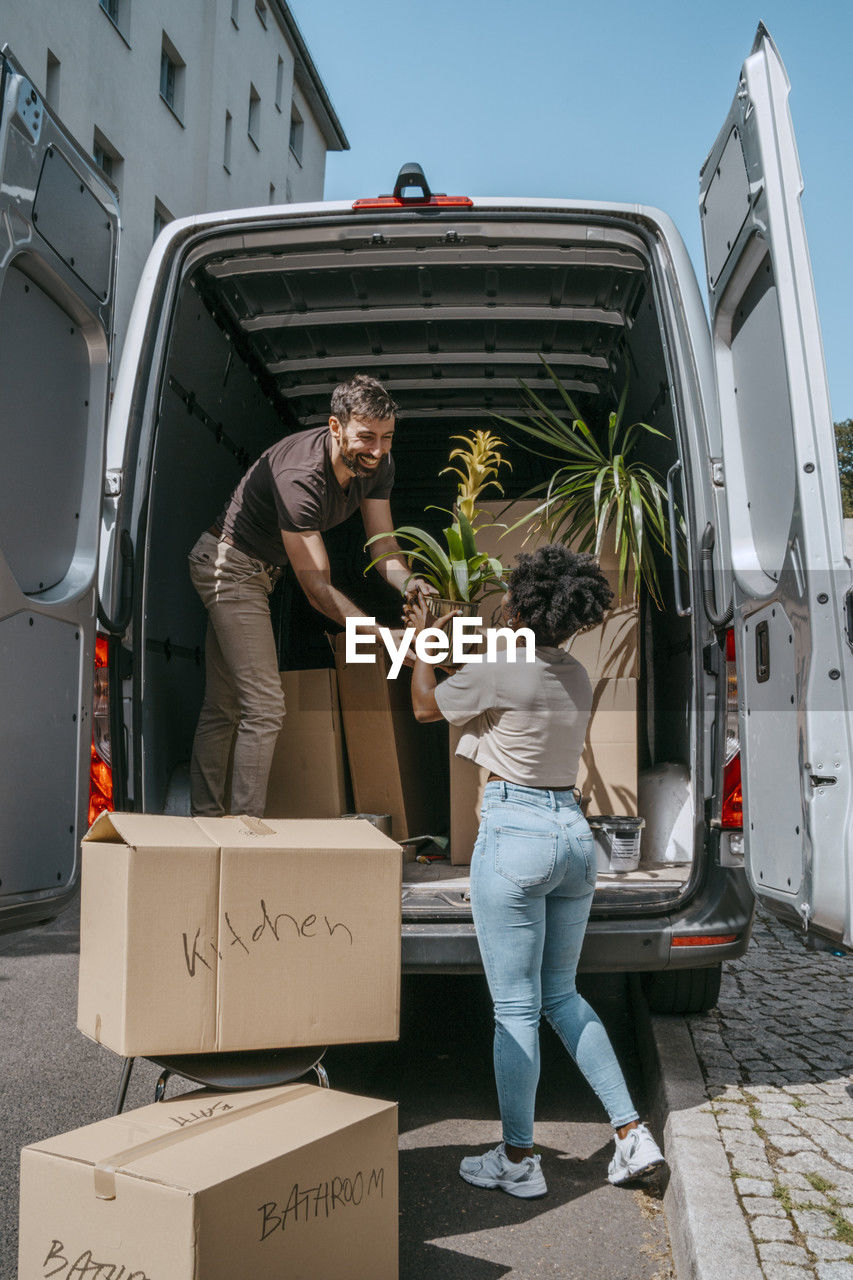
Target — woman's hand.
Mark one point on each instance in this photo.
(417, 615)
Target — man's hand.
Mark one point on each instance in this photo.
(419, 587)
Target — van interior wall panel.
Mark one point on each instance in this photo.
(39, 781)
(196, 467)
(45, 388)
(768, 447)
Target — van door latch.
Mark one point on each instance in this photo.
(762, 651)
(112, 483)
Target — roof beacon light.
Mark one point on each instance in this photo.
(412, 176)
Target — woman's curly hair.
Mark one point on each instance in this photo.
(556, 591)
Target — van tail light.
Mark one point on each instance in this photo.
(100, 769)
(731, 817)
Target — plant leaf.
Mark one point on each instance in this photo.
(637, 517)
(469, 545)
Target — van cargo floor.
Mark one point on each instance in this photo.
(440, 890)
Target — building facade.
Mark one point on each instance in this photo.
(187, 106)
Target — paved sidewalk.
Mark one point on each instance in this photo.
(777, 1055)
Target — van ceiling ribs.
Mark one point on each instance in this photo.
(474, 357)
(435, 311)
(348, 259)
(451, 328)
(299, 390)
(441, 412)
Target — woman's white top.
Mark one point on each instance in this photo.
(524, 721)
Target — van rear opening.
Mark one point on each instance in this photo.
(449, 310)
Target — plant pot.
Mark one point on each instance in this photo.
(439, 605)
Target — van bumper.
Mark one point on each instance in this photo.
(637, 944)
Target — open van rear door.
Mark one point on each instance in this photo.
(790, 575)
(59, 236)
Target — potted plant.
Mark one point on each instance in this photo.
(600, 495)
(461, 575)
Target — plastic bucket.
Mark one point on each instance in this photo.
(618, 840)
(382, 821)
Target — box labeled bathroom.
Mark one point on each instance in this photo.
(297, 1181)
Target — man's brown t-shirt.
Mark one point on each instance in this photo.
(293, 486)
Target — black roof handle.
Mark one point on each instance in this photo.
(411, 175)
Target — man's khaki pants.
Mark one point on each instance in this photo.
(243, 701)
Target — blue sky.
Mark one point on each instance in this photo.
(608, 101)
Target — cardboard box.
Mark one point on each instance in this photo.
(467, 783)
(611, 649)
(608, 765)
(307, 778)
(206, 934)
(397, 766)
(296, 1181)
(496, 518)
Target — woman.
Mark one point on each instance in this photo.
(533, 867)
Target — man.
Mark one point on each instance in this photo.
(304, 484)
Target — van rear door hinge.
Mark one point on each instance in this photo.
(112, 483)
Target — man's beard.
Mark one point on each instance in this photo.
(352, 462)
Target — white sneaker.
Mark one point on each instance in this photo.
(637, 1156)
(494, 1169)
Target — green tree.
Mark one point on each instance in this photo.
(844, 445)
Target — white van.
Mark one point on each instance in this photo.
(243, 323)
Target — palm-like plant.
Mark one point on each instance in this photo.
(599, 497)
(461, 574)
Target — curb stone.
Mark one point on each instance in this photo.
(708, 1233)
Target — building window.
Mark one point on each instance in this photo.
(261, 11)
(172, 68)
(255, 116)
(235, 13)
(279, 82)
(297, 128)
(118, 12)
(107, 158)
(226, 154)
(51, 81)
(161, 217)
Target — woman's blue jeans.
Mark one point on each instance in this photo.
(532, 880)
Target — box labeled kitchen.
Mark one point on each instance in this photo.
(208, 934)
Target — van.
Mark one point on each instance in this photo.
(243, 323)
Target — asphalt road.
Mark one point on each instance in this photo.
(440, 1073)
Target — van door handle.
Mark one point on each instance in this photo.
(676, 576)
